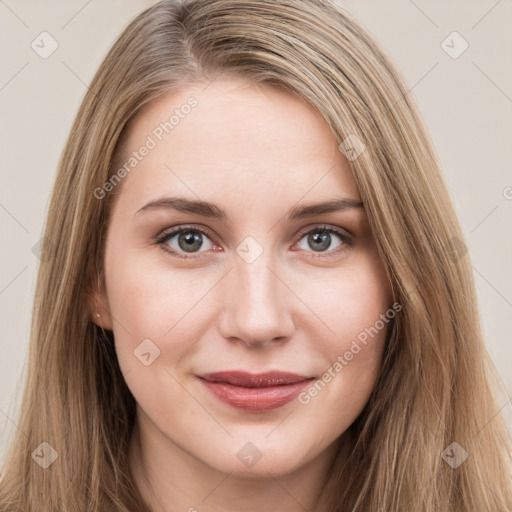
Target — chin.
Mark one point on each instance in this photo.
(248, 461)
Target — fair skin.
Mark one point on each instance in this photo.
(256, 153)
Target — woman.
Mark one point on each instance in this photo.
(252, 297)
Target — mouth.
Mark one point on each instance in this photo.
(255, 392)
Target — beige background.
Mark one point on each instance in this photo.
(466, 101)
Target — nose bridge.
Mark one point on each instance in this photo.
(256, 310)
(256, 280)
(252, 262)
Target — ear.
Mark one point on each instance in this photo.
(98, 303)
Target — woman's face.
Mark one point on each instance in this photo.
(256, 282)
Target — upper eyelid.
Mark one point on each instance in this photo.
(320, 226)
(171, 232)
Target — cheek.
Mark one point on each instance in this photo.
(152, 308)
(151, 301)
(356, 305)
(351, 301)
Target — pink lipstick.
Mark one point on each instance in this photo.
(255, 392)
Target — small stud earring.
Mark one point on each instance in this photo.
(98, 315)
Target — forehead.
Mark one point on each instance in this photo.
(232, 137)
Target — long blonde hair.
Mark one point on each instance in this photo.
(435, 387)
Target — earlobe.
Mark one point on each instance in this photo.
(98, 305)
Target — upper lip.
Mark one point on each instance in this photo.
(254, 380)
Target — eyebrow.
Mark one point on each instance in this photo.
(211, 210)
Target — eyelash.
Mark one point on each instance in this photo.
(167, 235)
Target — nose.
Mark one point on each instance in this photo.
(257, 305)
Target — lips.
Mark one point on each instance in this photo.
(255, 392)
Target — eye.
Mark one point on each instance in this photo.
(185, 240)
(320, 240)
(188, 240)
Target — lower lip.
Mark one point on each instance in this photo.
(256, 399)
